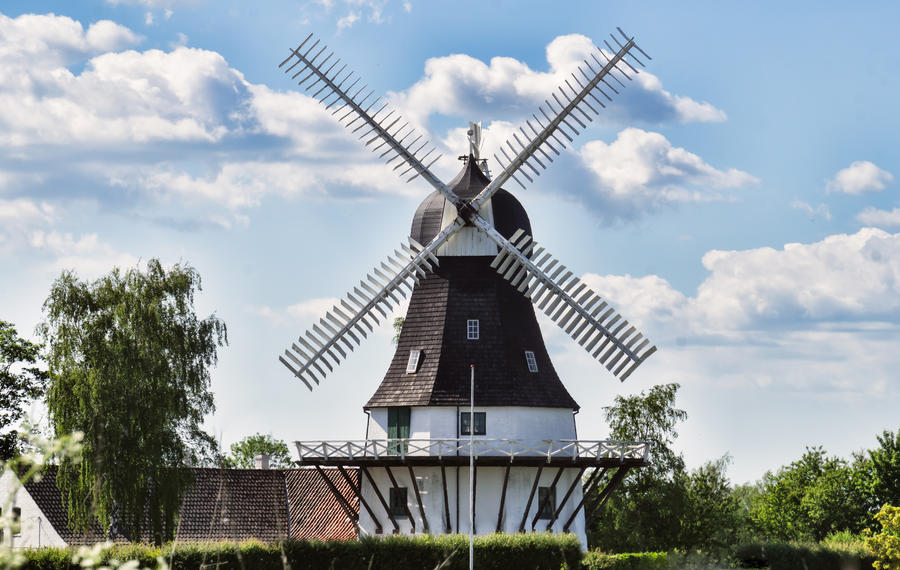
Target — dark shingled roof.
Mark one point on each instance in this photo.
(234, 504)
(465, 288)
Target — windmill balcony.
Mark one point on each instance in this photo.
(486, 452)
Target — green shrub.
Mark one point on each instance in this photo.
(596, 560)
(793, 556)
(541, 551)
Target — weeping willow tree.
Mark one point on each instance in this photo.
(129, 365)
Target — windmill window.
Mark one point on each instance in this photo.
(546, 502)
(480, 423)
(398, 430)
(17, 518)
(398, 501)
(472, 329)
(531, 361)
(412, 365)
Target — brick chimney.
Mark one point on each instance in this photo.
(261, 461)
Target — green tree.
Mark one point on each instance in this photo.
(813, 497)
(886, 544)
(711, 516)
(398, 326)
(886, 469)
(20, 380)
(129, 367)
(243, 452)
(639, 516)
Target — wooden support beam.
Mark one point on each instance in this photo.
(593, 480)
(412, 477)
(412, 521)
(448, 527)
(358, 492)
(547, 498)
(503, 498)
(537, 478)
(607, 491)
(562, 503)
(381, 499)
(348, 509)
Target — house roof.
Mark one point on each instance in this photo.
(234, 504)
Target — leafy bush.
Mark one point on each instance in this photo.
(791, 556)
(493, 552)
(596, 560)
(886, 544)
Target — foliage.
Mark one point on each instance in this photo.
(492, 552)
(794, 555)
(25, 467)
(20, 381)
(243, 453)
(129, 366)
(398, 326)
(812, 498)
(663, 506)
(886, 544)
(596, 560)
(886, 470)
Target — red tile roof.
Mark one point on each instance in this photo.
(314, 511)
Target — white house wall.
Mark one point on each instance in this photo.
(488, 491)
(467, 240)
(512, 422)
(35, 529)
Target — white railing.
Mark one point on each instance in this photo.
(549, 448)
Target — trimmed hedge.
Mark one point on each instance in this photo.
(494, 552)
(596, 560)
(791, 556)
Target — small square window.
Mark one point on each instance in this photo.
(472, 331)
(398, 501)
(531, 361)
(480, 423)
(17, 519)
(546, 502)
(412, 365)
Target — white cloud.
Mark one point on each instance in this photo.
(644, 167)
(407, 7)
(87, 255)
(822, 316)
(881, 218)
(509, 89)
(860, 177)
(348, 20)
(820, 211)
(148, 19)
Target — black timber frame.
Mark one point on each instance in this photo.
(503, 498)
(546, 500)
(358, 492)
(378, 494)
(589, 501)
(412, 521)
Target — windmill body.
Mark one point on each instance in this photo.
(474, 274)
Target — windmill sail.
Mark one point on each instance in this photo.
(592, 83)
(571, 304)
(379, 126)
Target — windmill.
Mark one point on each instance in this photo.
(474, 273)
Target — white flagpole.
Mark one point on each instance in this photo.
(472, 470)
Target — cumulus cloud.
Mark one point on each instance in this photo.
(642, 169)
(348, 20)
(889, 219)
(816, 316)
(508, 89)
(860, 177)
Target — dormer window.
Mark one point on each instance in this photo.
(531, 361)
(412, 365)
(472, 329)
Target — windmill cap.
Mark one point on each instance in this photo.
(509, 215)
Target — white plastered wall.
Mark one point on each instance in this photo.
(35, 529)
(468, 240)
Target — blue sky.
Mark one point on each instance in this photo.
(739, 201)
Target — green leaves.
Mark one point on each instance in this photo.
(243, 452)
(129, 365)
(20, 381)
